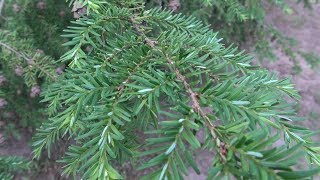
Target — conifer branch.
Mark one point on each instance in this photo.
(16, 52)
(197, 108)
(129, 79)
(194, 96)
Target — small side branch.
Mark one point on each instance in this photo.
(193, 95)
(27, 59)
(16, 52)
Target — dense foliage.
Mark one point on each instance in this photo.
(30, 44)
(168, 76)
(143, 83)
(10, 165)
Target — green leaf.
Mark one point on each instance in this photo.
(191, 139)
(171, 148)
(284, 153)
(241, 103)
(164, 169)
(256, 154)
(299, 174)
(113, 173)
(145, 90)
(214, 171)
(191, 162)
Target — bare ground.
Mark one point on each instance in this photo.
(304, 26)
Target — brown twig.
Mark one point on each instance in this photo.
(194, 99)
(197, 108)
(29, 60)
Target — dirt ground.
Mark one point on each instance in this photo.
(304, 26)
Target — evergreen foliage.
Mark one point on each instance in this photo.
(29, 44)
(10, 165)
(169, 77)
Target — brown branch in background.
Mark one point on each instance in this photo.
(174, 5)
(30, 61)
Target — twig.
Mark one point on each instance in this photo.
(194, 99)
(16, 52)
(197, 108)
(29, 60)
(193, 95)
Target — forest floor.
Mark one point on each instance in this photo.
(304, 26)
